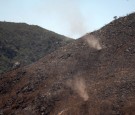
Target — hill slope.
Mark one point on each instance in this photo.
(94, 75)
(25, 44)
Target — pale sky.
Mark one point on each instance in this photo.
(72, 18)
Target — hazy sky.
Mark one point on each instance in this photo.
(71, 18)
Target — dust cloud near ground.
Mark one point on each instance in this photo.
(93, 42)
(79, 86)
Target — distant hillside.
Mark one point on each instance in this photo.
(94, 75)
(23, 43)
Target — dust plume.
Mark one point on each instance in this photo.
(68, 15)
(60, 113)
(93, 42)
(79, 86)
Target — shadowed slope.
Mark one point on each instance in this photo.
(104, 70)
(25, 44)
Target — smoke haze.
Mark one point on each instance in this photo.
(68, 13)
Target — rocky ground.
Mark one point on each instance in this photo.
(93, 75)
(22, 44)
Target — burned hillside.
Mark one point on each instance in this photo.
(92, 75)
